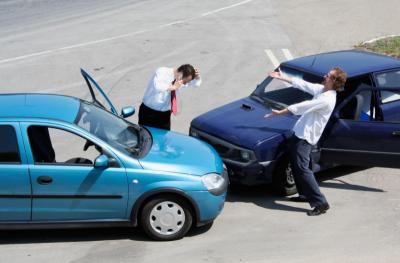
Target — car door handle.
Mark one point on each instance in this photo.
(396, 133)
(44, 179)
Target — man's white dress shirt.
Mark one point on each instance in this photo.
(157, 95)
(314, 113)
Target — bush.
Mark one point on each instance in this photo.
(389, 46)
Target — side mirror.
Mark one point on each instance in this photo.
(101, 161)
(127, 111)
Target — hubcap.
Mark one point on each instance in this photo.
(167, 218)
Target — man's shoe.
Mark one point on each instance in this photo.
(299, 198)
(319, 210)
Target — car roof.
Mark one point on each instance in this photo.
(31, 105)
(353, 62)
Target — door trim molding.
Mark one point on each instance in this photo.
(63, 196)
(358, 151)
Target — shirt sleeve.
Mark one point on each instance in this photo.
(308, 87)
(308, 106)
(194, 83)
(160, 81)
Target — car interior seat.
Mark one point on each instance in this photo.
(352, 110)
(42, 149)
(359, 103)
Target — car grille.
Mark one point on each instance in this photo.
(227, 151)
(223, 150)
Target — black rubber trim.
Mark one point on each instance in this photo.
(16, 196)
(139, 202)
(64, 196)
(12, 225)
(359, 151)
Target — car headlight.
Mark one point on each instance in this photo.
(245, 155)
(215, 183)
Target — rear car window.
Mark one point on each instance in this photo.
(9, 152)
(389, 79)
(390, 96)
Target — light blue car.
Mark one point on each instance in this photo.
(67, 162)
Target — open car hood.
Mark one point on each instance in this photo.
(94, 88)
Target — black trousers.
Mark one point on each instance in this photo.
(154, 118)
(307, 186)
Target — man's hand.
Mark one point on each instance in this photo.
(276, 112)
(197, 73)
(176, 84)
(279, 75)
(276, 74)
(273, 113)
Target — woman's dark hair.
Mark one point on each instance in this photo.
(187, 70)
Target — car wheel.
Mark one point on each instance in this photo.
(166, 218)
(282, 179)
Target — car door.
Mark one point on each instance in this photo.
(15, 184)
(65, 183)
(362, 137)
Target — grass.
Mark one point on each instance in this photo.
(389, 46)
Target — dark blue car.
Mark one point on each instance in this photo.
(364, 128)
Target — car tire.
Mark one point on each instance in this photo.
(166, 218)
(282, 178)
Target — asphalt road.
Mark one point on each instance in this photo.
(234, 43)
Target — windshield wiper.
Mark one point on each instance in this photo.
(269, 102)
(257, 98)
(278, 105)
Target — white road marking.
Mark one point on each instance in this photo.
(225, 8)
(51, 51)
(272, 57)
(174, 23)
(287, 54)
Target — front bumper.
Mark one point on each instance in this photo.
(209, 205)
(250, 174)
(247, 172)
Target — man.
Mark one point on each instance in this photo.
(159, 100)
(308, 129)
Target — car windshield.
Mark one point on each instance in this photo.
(119, 133)
(279, 94)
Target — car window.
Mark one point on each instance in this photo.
(9, 152)
(358, 108)
(390, 105)
(389, 79)
(351, 85)
(56, 146)
(389, 96)
(115, 131)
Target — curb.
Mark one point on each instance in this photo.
(377, 38)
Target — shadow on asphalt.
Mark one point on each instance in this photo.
(262, 196)
(82, 235)
(265, 197)
(71, 235)
(333, 173)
